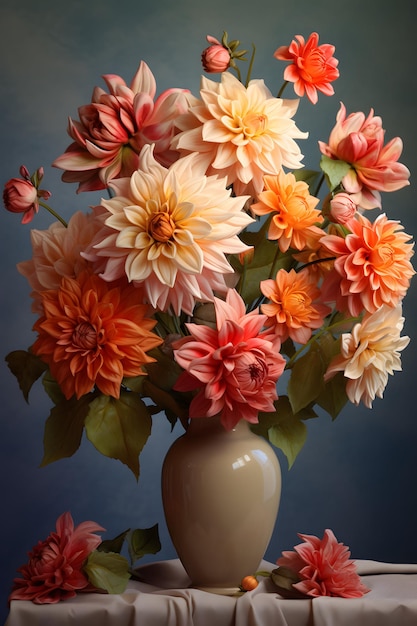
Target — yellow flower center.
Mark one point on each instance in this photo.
(254, 124)
(161, 227)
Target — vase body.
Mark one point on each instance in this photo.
(220, 491)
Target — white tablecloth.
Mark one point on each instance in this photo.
(164, 599)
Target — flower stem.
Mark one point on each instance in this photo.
(330, 327)
(281, 91)
(52, 212)
(250, 65)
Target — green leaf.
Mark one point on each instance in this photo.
(335, 170)
(284, 578)
(119, 428)
(114, 545)
(169, 401)
(64, 429)
(333, 397)
(52, 388)
(283, 429)
(143, 541)
(306, 380)
(311, 177)
(106, 570)
(27, 368)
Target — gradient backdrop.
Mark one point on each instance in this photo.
(356, 476)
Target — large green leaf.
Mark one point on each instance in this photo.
(119, 428)
(335, 170)
(64, 429)
(143, 541)
(333, 397)
(107, 570)
(306, 380)
(115, 544)
(27, 368)
(283, 429)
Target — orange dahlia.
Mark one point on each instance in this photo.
(92, 334)
(372, 265)
(294, 216)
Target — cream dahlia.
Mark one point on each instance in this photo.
(370, 353)
(169, 230)
(241, 132)
(56, 253)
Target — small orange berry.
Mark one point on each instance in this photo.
(249, 583)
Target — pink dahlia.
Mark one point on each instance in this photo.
(324, 567)
(54, 570)
(234, 366)
(112, 130)
(359, 141)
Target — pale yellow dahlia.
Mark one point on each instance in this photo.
(369, 353)
(56, 253)
(242, 133)
(168, 231)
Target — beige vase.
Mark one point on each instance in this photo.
(221, 491)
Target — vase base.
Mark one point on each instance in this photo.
(220, 591)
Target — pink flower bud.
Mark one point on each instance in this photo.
(215, 58)
(20, 195)
(342, 208)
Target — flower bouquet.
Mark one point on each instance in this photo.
(215, 260)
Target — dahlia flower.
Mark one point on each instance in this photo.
(294, 216)
(370, 353)
(168, 230)
(92, 334)
(293, 309)
(241, 133)
(372, 265)
(56, 253)
(114, 127)
(235, 367)
(324, 567)
(359, 141)
(313, 67)
(54, 570)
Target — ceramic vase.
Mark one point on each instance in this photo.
(220, 491)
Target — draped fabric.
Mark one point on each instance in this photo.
(162, 597)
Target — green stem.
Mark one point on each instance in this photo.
(330, 327)
(281, 91)
(52, 212)
(319, 184)
(250, 65)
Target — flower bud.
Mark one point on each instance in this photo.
(215, 58)
(20, 195)
(342, 208)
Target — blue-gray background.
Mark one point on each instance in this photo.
(357, 475)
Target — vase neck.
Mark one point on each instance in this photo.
(213, 424)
